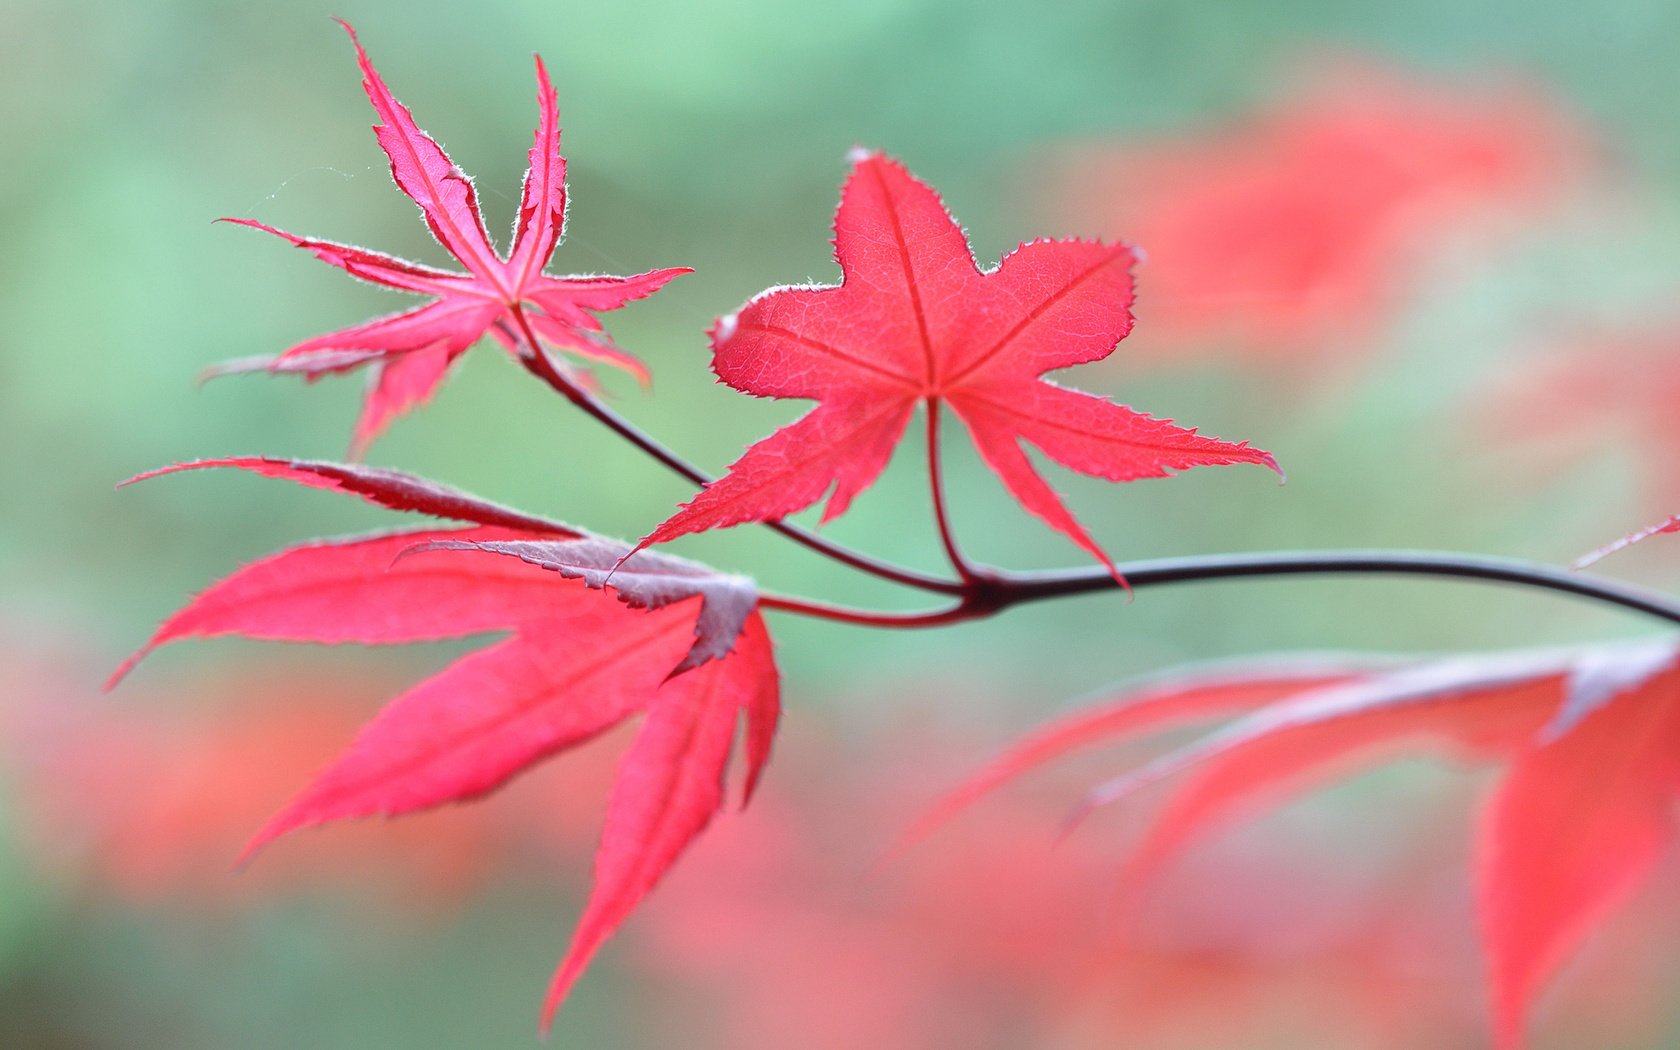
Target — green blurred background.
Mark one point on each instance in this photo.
(713, 136)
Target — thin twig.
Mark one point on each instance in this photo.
(1025, 587)
(990, 592)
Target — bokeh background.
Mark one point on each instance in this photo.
(1421, 252)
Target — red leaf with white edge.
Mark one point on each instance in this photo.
(422, 170)
(645, 580)
(1573, 829)
(501, 297)
(541, 221)
(566, 301)
(915, 321)
(392, 489)
(1672, 525)
(669, 785)
(576, 664)
(371, 266)
(355, 590)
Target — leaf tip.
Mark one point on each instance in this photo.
(749, 788)
(1077, 816)
(1116, 788)
(724, 330)
(1592, 557)
(158, 472)
(861, 155)
(258, 842)
(133, 661)
(558, 989)
(236, 366)
(427, 547)
(1114, 572)
(907, 839)
(356, 454)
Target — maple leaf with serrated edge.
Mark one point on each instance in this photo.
(574, 664)
(915, 321)
(1591, 738)
(511, 299)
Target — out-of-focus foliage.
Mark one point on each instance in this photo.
(714, 136)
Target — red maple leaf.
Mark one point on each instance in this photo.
(576, 664)
(915, 321)
(511, 299)
(1592, 741)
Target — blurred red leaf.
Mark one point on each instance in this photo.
(1574, 826)
(1240, 688)
(916, 322)
(1290, 229)
(993, 935)
(510, 299)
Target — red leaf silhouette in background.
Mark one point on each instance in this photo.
(148, 808)
(576, 664)
(1593, 745)
(1291, 230)
(915, 321)
(511, 299)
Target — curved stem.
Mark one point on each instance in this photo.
(1025, 587)
(537, 363)
(936, 482)
(991, 592)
